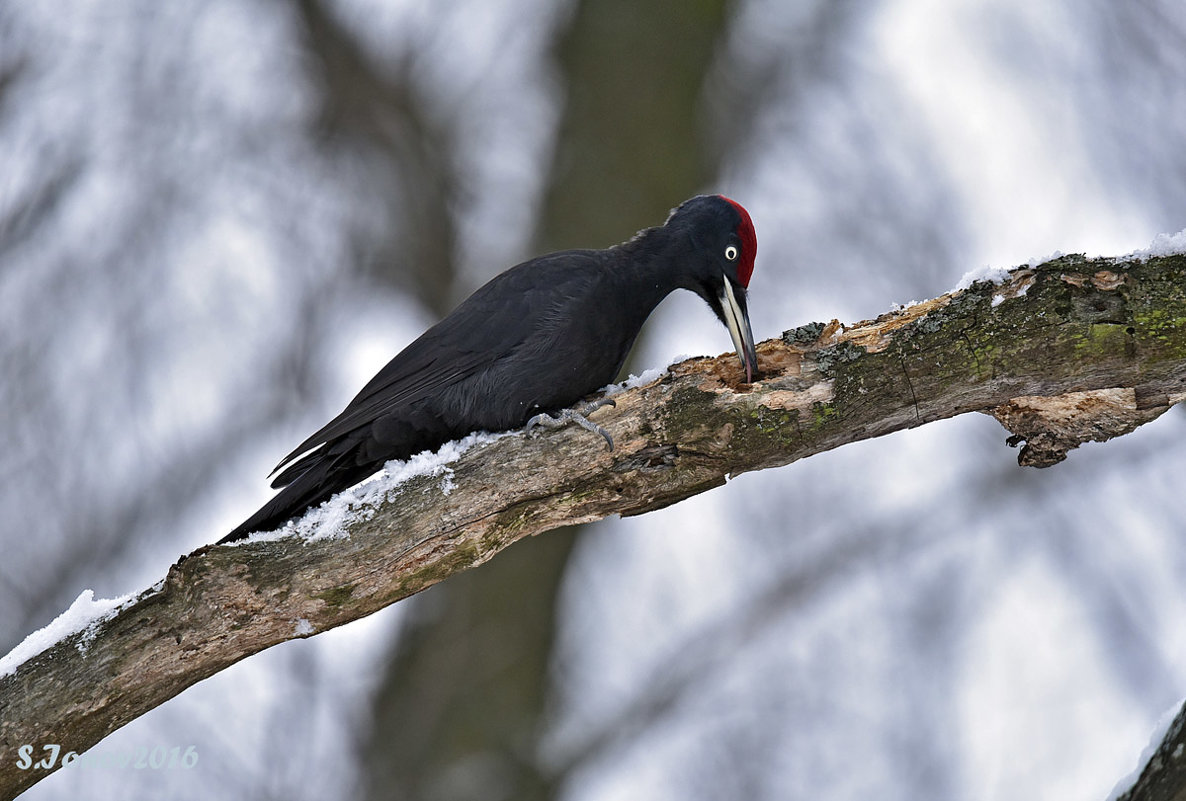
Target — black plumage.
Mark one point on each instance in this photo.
(537, 338)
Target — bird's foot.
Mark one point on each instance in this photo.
(578, 417)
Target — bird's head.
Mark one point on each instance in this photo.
(720, 236)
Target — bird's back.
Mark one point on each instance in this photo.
(517, 346)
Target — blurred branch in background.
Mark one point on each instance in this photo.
(399, 152)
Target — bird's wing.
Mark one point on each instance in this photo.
(486, 327)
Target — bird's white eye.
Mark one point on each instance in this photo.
(731, 253)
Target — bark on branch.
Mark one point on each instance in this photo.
(1162, 774)
(1069, 351)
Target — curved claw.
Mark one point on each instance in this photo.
(593, 406)
(573, 416)
(589, 425)
(542, 420)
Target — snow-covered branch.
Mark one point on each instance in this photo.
(1061, 353)
(1161, 774)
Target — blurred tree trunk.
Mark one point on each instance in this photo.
(464, 699)
(376, 118)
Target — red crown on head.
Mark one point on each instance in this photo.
(749, 242)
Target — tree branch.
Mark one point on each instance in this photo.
(1066, 352)
(1162, 777)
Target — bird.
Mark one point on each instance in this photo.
(529, 344)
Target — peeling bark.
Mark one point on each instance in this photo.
(1070, 351)
(1050, 427)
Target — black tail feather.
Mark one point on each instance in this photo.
(318, 483)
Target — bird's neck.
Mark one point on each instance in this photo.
(648, 266)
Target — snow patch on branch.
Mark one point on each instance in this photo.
(1160, 730)
(86, 614)
(1162, 245)
(1012, 291)
(995, 275)
(634, 381)
(1036, 260)
(646, 377)
(332, 519)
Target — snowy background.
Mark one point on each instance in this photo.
(219, 218)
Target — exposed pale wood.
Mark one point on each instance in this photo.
(1065, 330)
